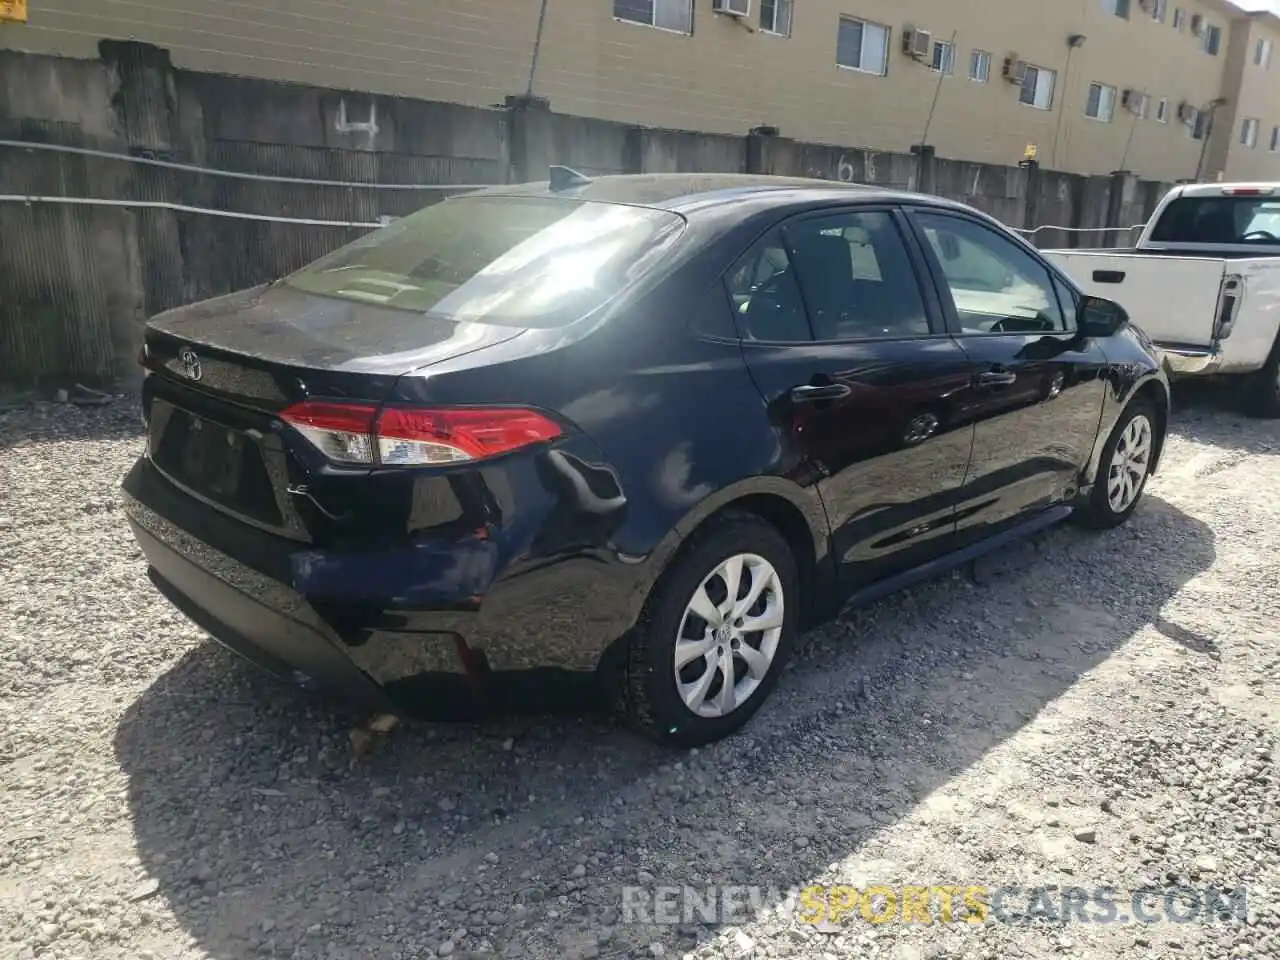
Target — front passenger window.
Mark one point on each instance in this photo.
(997, 286)
(1070, 305)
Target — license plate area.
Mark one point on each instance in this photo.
(214, 461)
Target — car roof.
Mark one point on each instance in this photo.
(684, 192)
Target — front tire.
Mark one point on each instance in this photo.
(716, 633)
(1124, 467)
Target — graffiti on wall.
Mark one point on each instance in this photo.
(843, 171)
(368, 127)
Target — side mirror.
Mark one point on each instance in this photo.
(1101, 318)
(950, 246)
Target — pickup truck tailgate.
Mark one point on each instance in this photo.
(1175, 300)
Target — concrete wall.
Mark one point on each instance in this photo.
(77, 282)
(472, 52)
(724, 77)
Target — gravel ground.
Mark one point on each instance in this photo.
(1081, 710)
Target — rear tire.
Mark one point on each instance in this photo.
(691, 704)
(1124, 467)
(1262, 389)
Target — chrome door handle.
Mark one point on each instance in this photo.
(814, 392)
(995, 378)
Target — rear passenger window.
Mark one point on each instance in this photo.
(856, 276)
(766, 296)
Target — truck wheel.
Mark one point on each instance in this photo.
(1262, 391)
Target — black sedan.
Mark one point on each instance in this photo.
(636, 432)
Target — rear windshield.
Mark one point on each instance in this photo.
(1227, 220)
(504, 260)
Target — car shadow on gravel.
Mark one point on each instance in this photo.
(266, 841)
(1209, 412)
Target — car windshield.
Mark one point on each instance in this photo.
(1224, 220)
(505, 260)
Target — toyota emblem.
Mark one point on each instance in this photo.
(190, 363)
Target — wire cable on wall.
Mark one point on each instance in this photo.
(183, 208)
(235, 174)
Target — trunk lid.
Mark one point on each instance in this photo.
(280, 329)
(220, 372)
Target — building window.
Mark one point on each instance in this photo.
(1212, 40)
(1158, 10)
(1162, 110)
(863, 46)
(674, 15)
(944, 57)
(1199, 123)
(775, 17)
(980, 66)
(1249, 132)
(1101, 102)
(1179, 18)
(1037, 87)
(1262, 53)
(1119, 8)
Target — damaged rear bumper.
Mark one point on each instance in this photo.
(400, 628)
(384, 659)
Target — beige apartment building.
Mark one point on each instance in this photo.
(1245, 142)
(1094, 85)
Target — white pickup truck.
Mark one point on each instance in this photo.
(1203, 282)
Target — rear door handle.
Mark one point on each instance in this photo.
(1108, 276)
(995, 378)
(811, 393)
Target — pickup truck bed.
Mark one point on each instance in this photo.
(1209, 314)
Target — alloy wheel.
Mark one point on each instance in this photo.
(1129, 464)
(729, 635)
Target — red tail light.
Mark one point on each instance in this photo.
(342, 432)
(412, 436)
